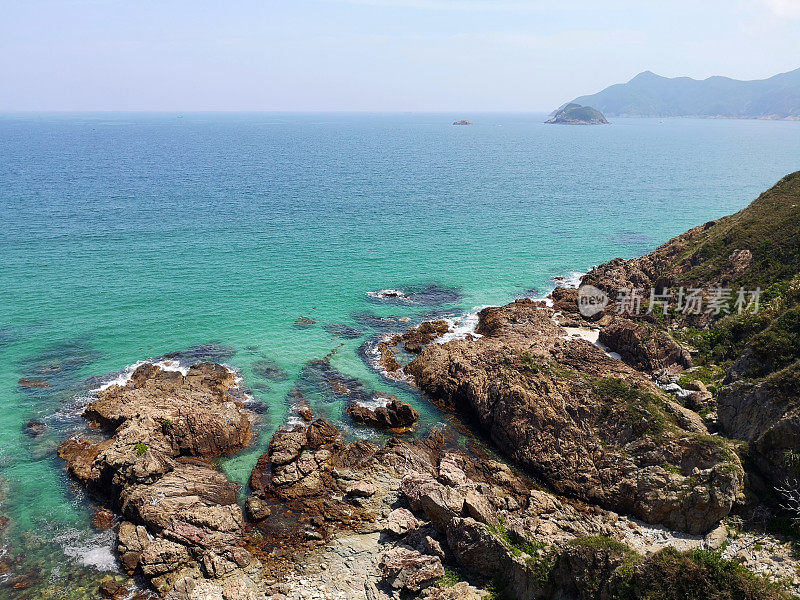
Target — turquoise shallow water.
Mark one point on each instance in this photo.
(125, 237)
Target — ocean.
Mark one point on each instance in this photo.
(131, 236)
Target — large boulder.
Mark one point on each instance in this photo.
(409, 569)
(765, 414)
(644, 346)
(439, 502)
(394, 415)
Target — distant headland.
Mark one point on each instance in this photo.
(650, 95)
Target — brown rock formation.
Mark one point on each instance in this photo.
(182, 524)
(396, 415)
(644, 346)
(590, 426)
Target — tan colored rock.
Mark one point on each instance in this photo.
(409, 569)
(450, 473)
(695, 386)
(479, 508)
(360, 489)
(400, 521)
(131, 541)
(163, 556)
(439, 503)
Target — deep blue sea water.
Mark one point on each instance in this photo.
(128, 236)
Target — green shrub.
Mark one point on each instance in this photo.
(694, 575)
(140, 448)
(449, 579)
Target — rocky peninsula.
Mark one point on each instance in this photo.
(614, 455)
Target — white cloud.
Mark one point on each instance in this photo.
(784, 8)
(451, 4)
(506, 5)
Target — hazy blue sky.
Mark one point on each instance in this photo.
(372, 54)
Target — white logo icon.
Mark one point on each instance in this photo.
(591, 300)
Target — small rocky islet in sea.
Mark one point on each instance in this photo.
(575, 114)
(664, 473)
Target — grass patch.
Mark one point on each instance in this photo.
(450, 578)
(710, 375)
(601, 542)
(140, 448)
(644, 411)
(539, 558)
(517, 544)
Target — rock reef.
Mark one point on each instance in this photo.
(182, 527)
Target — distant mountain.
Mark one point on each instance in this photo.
(650, 95)
(575, 114)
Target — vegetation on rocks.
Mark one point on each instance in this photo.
(694, 575)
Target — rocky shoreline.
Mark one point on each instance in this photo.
(651, 472)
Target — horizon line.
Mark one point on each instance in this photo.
(267, 111)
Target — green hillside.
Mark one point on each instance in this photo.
(650, 95)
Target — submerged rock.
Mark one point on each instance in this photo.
(430, 295)
(33, 384)
(210, 352)
(342, 330)
(269, 369)
(35, 428)
(110, 588)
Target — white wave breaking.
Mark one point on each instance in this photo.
(461, 327)
(388, 293)
(125, 375)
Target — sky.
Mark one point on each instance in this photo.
(372, 55)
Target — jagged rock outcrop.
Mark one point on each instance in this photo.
(589, 425)
(644, 346)
(412, 341)
(396, 414)
(766, 414)
(437, 507)
(182, 527)
(306, 469)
